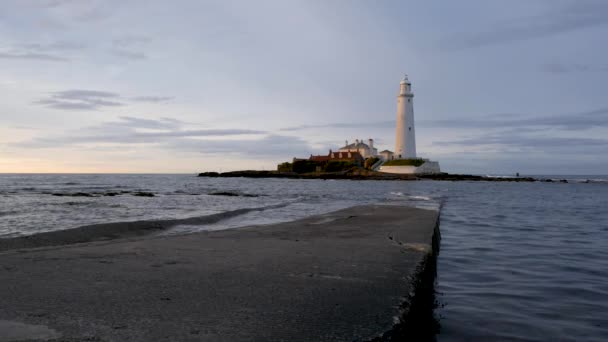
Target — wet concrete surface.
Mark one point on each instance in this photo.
(342, 276)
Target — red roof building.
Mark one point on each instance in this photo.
(354, 157)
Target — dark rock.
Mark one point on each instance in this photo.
(76, 194)
(143, 194)
(224, 193)
(361, 174)
(233, 194)
(209, 174)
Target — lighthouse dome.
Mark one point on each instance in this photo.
(405, 80)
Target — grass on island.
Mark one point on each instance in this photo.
(405, 162)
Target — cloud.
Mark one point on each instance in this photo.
(130, 40)
(80, 99)
(133, 122)
(562, 68)
(271, 145)
(530, 144)
(129, 47)
(32, 56)
(152, 99)
(83, 99)
(173, 135)
(78, 10)
(54, 52)
(597, 118)
(133, 55)
(55, 3)
(575, 16)
(374, 124)
(55, 46)
(133, 130)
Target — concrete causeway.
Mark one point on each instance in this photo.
(349, 275)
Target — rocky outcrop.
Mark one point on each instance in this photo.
(362, 174)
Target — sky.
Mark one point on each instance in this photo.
(154, 86)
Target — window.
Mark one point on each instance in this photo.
(410, 128)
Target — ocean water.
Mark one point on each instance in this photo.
(518, 261)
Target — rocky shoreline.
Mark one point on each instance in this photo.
(366, 175)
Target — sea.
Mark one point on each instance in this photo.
(518, 261)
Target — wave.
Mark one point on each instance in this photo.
(494, 176)
(597, 180)
(420, 198)
(411, 197)
(117, 230)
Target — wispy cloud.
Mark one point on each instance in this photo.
(513, 141)
(373, 124)
(271, 145)
(152, 99)
(597, 118)
(54, 52)
(556, 20)
(80, 99)
(32, 56)
(133, 55)
(129, 47)
(55, 3)
(174, 135)
(563, 68)
(83, 99)
(133, 130)
(54, 46)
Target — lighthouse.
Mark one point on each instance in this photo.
(405, 141)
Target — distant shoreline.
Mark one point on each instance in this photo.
(369, 175)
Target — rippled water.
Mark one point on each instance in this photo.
(518, 261)
(525, 262)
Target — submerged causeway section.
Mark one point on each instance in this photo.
(360, 274)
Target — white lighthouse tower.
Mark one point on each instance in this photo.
(405, 142)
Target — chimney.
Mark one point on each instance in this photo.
(346, 143)
(371, 144)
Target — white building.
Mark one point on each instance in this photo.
(405, 139)
(387, 155)
(366, 150)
